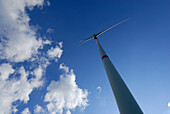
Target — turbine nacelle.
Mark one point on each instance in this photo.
(94, 36)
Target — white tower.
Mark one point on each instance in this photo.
(124, 99)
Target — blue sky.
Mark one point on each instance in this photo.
(37, 53)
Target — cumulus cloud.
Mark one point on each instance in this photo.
(68, 112)
(18, 41)
(25, 64)
(5, 70)
(38, 72)
(17, 84)
(49, 30)
(48, 3)
(14, 109)
(99, 89)
(55, 53)
(38, 110)
(47, 42)
(25, 111)
(65, 93)
(169, 104)
(17, 88)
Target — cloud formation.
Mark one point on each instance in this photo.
(25, 111)
(18, 41)
(17, 84)
(55, 53)
(17, 88)
(5, 71)
(25, 64)
(65, 93)
(39, 110)
(49, 30)
(99, 89)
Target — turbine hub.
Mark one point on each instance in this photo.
(95, 36)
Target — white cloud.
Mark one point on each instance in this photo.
(49, 30)
(25, 111)
(38, 72)
(17, 88)
(65, 93)
(14, 109)
(48, 3)
(38, 110)
(47, 42)
(55, 53)
(15, 84)
(18, 39)
(5, 70)
(169, 104)
(99, 89)
(19, 43)
(68, 112)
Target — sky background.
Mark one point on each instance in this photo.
(139, 49)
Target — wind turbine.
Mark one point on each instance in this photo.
(124, 99)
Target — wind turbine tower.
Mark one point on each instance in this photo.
(124, 99)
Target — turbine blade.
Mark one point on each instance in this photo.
(84, 41)
(111, 27)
